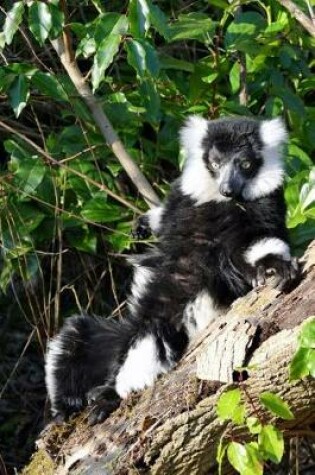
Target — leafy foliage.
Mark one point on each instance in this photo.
(267, 442)
(303, 363)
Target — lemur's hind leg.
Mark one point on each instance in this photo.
(102, 401)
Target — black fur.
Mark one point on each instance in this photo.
(200, 247)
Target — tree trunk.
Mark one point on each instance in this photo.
(173, 427)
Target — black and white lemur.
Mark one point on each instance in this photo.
(220, 232)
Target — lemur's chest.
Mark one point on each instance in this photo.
(214, 226)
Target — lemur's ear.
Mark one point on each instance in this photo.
(192, 135)
(273, 132)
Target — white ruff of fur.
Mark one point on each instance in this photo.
(141, 367)
(270, 175)
(142, 276)
(262, 248)
(199, 313)
(196, 181)
(55, 350)
(155, 217)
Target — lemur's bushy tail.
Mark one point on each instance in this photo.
(86, 353)
(119, 355)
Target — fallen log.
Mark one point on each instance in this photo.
(173, 428)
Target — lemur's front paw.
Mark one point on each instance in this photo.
(102, 401)
(101, 410)
(142, 228)
(284, 273)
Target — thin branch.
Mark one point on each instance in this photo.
(303, 19)
(62, 46)
(243, 94)
(49, 159)
(311, 11)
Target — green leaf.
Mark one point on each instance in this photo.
(242, 32)
(158, 20)
(253, 424)
(29, 266)
(220, 4)
(291, 100)
(227, 404)
(19, 94)
(191, 26)
(2, 40)
(57, 21)
(40, 21)
(276, 405)
(86, 47)
(120, 239)
(244, 458)
(151, 99)
(108, 46)
(307, 335)
(143, 58)
(13, 21)
(82, 239)
(49, 85)
(104, 57)
(136, 57)
(221, 451)
(168, 62)
(139, 17)
(104, 26)
(302, 363)
(271, 443)
(235, 77)
(98, 210)
(295, 151)
(29, 174)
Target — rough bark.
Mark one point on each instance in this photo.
(173, 428)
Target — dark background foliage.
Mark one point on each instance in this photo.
(150, 64)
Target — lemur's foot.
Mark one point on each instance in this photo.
(141, 228)
(285, 273)
(102, 401)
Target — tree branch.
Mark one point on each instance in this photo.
(173, 428)
(303, 19)
(109, 134)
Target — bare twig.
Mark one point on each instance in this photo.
(243, 94)
(303, 19)
(53, 161)
(311, 11)
(62, 46)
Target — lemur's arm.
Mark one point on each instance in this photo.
(149, 223)
(271, 256)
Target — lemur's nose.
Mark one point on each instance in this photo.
(226, 190)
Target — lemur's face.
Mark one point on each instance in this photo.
(233, 156)
(237, 157)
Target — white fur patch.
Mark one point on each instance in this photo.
(55, 350)
(142, 276)
(141, 367)
(155, 217)
(273, 132)
(196, 181)
(267, 246)
(271, 174)
(199, 313)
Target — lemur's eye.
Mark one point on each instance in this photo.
(215, 165)
(246, 164)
